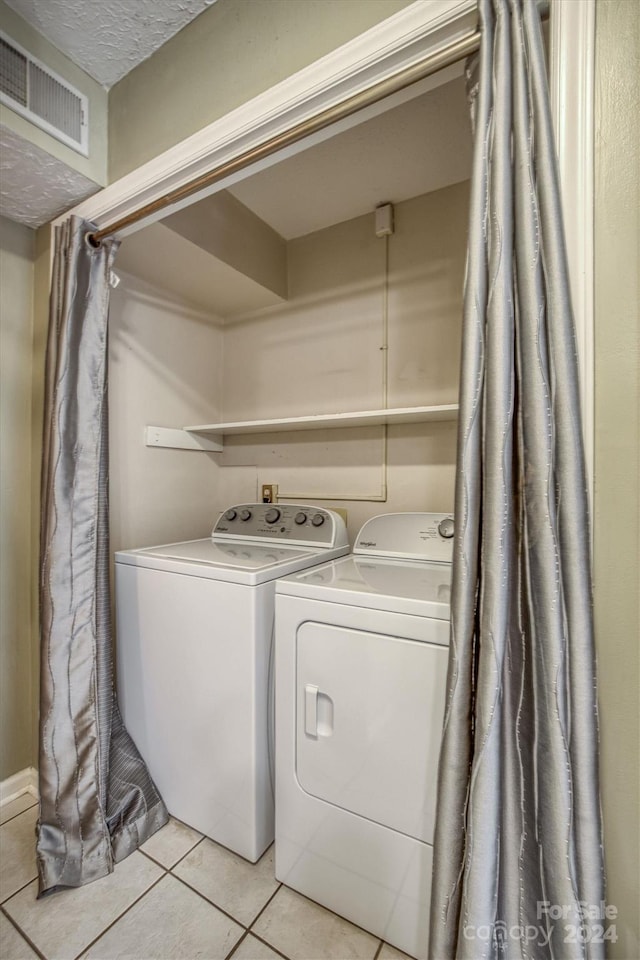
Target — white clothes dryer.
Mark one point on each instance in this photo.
(194, 647)
(361, 666)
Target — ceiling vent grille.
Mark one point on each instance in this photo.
(41, 96)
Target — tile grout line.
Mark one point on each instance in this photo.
(267, 944)
(35, 876)
(19, 890)
(22, 934)
(236, 945)
(153, 860)
(257, 917)
(211, 903)
(120, 916)
(185, 855)
(264, 907)
(209, 900)
(158, 863)
(381, 940)
(16, 815)
(166, 871)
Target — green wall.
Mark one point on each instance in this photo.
(617, 451)
(232, 52)
(17, 707)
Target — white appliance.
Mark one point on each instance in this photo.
(361, 665)
(195, 631)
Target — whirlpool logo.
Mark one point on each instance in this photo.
(368, 543)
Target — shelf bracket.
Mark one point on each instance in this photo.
(181, 440)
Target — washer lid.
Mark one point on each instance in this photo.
(234, 556)
(238, 562)
(404, 586)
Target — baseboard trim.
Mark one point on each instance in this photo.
(25, 781)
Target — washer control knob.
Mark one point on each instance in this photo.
(300, 518)
(231, 515)
(317, 520)
(245, 514)
(272, 515)
(445, 528)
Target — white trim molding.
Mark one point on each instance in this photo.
(572, 67)
(397, 43)
(394, 44)
(25, 781)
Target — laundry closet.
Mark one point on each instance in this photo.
(285, 296)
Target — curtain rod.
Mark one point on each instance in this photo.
(445, 57)
(452, 53)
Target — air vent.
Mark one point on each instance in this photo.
(41, 96)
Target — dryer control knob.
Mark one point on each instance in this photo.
(317, 520)
(272, 515)
(230, 515)
(445, 528)
(245, 514)
(300, 518)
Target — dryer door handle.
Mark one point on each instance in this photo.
(311, 709)
(318, 712)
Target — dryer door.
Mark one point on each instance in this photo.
(369, 722)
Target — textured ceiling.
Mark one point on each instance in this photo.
(420, 146)
(35, 187)
(108, 38)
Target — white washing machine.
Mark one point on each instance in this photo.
(195, 631)
(361, 666)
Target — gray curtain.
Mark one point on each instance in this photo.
(97, 802)
(518, 832)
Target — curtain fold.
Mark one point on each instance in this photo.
(97, 802)
(518, 836)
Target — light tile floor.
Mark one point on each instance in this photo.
(180, 897)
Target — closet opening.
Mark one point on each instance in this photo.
(266, 314)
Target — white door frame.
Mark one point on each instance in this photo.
(396, 43)
(572, 91)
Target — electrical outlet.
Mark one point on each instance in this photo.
(269, 492)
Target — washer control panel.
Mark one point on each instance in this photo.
(408, 536)
(282, 522)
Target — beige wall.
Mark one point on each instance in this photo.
(617, 451)
(42, 271)
(17, 254)
(95, 165)
(232, 52)
(164, 370)
(321, 353)
(318, 352)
